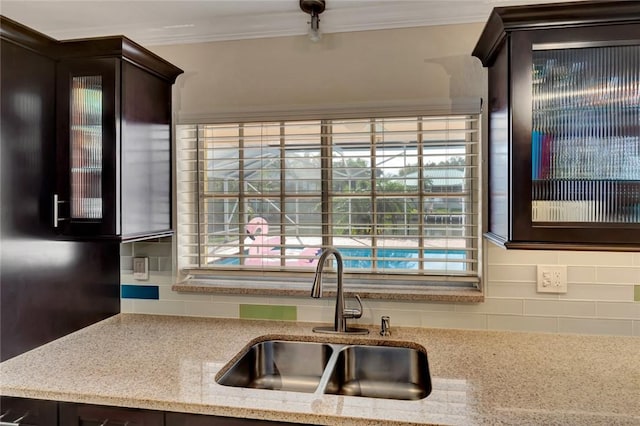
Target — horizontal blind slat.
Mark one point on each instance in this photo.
(274, 170)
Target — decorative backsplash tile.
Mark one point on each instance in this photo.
(617, 275)
(126, 249)
(595, 326)
(560, 308)
(268, 312)
(618, 310)
(131, 291)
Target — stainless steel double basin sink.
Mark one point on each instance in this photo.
(394, 371)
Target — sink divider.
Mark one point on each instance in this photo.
(328, 369)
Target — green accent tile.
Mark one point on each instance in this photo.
(269, 312)
(636, 293)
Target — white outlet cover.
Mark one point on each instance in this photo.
(552, 279)
(141, 268)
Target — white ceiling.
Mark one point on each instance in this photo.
(154, 22)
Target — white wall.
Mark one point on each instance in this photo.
(291, 73)
(408, 66)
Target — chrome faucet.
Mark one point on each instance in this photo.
(342, 313)
(385, 326)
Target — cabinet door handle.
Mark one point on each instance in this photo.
(104, 423)
(16, 422)
(56, 216)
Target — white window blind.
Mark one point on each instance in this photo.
(397, 196)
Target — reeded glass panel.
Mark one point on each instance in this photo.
(86, 147)
(586, 135)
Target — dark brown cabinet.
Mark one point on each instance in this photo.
(96, 415)
(85, 164)
(35, 412)
(564, 125)
(114, 140)
(28, 412)
(182, 419)
(48, 287)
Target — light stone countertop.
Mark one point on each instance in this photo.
(479, 377)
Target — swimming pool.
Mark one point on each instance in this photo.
(389, 258)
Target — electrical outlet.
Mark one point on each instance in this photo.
(552, 278)
(141, 268)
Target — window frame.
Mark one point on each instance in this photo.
(406, 285)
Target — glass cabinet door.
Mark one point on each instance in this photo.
(585, 140)
(86, 147)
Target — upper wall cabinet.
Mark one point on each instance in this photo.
(564, 125)
(114, 140)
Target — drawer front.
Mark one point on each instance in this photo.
(97, 415)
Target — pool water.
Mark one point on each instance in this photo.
(391, 258)
(402, 259)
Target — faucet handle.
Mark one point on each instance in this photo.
(354, 313)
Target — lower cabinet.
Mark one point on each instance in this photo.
(36, 412)
(28, 412)
(181, 419)
(97, 415)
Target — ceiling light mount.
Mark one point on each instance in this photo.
(313, 8)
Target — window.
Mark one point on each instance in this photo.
(397, 196)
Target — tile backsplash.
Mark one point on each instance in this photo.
(603, 296)
(158, 251)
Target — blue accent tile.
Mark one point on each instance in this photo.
(129, 291)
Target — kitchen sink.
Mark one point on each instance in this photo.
(280, 365)
(380, 372)
(398, 372)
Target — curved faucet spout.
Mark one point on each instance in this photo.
(341, 314)
(316, 289)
